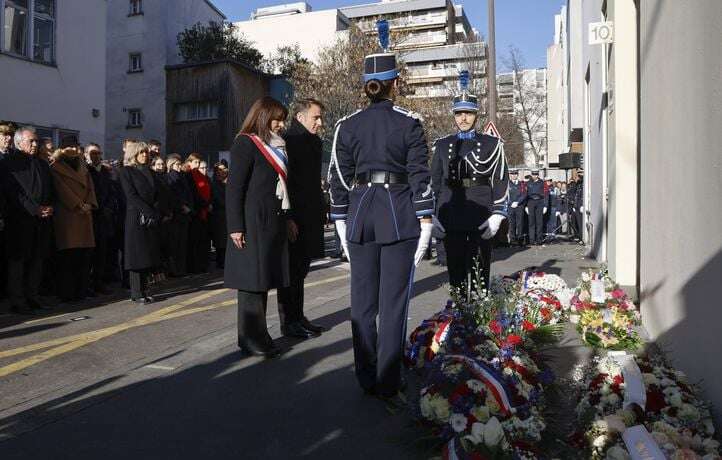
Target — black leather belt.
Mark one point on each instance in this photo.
(382, 177)
(467, 182)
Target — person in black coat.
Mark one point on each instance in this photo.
(142, 218)
(180, 186)
(256, 204)
(217, 217)
(167, 202)
(307, 216)
(29, 192)
(103, 227)
(6, 141)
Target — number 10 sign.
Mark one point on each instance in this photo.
(601, 32)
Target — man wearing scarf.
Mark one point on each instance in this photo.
(306, 218)
(470, 179)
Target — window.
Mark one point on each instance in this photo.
(29, 29)
(192, 111)
(136, 7)
(44, 31)
(136, 63)
(15, 27)
(135, 118)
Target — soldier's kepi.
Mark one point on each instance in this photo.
(380, 185)
(470, 179)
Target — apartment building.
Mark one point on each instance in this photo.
(52, 56)
(141, 42)
(309, 30)
(433, 38)
(523, 96)
(430, 36)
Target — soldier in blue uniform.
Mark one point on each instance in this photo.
(536, 207)
(516, 201)
(382, 203)
(470, 178)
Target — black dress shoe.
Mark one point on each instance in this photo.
(297, 330)
(268, 350)
(311, 326)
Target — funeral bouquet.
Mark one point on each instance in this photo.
(483, 374)
(607, 316)
(678, 422)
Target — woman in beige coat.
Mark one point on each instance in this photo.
(73, 222)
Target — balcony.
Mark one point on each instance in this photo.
(425, 21)
(440, 73)
(417, 40)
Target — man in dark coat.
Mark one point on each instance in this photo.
(307, 215)
(182, 214)
(28, 188)
(217, 217)
(103, 227)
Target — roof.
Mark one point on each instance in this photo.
(219, 61)
(215, 8)
(373, 9)
(441, 53)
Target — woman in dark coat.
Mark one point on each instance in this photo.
(218, 212)
(182, 214)
(199, 241)
(256, 206)
(142, 218)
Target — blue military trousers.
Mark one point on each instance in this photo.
(382, 277)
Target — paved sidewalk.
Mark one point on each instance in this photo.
(217, 404)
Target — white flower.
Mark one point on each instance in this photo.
(458, 422)
(615, 423)
(586, 276)
(475, 385)
(617, 453)
(599, 441)
(660, 438)
(689, 413)
(628, 416)
(477, 433)
(493, 432)
(665, 382)
(676, 400)
(611, 399)
(650, 379)
(708, 426)
(481, 413)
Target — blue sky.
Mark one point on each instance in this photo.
(526, 24)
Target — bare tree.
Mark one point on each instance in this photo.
(530, 110)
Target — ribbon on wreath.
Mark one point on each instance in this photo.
(491, 380)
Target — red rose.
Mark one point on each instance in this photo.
(527, 325)
(513, 339)
(495, 327)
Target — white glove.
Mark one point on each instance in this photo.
(581, 209)
(424, 239)
(437, 225)
(515, 204)
(558, 214)
(544, 211)
(526, 210)
(341, 230)
(491, 226)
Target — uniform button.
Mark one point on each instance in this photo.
(478, 143)
(369, 184)
(478, 150)
(474, 178)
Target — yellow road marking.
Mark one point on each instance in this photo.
(45, 319)
(67, 344)
(71, 338)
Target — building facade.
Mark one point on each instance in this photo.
(207, 102)
(653, 168)
(557, 122)
(431, 37)
(309, 30)
(523, 96)
(56, 85)
(141, 42)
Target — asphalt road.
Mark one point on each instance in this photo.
(116, 380)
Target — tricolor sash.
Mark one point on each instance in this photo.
(277, 158)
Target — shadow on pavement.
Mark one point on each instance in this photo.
(29, 330)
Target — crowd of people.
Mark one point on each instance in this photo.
(542, 210)
(73, 223)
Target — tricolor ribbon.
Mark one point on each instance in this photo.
(490, 379)
(276, 157)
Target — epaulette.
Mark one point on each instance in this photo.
(409, 113)
(347, 117)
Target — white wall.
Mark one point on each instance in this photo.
(311, 31)
(154, 34)
(62, 96)
(556, 126)
(575, 44)
(681, 184)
